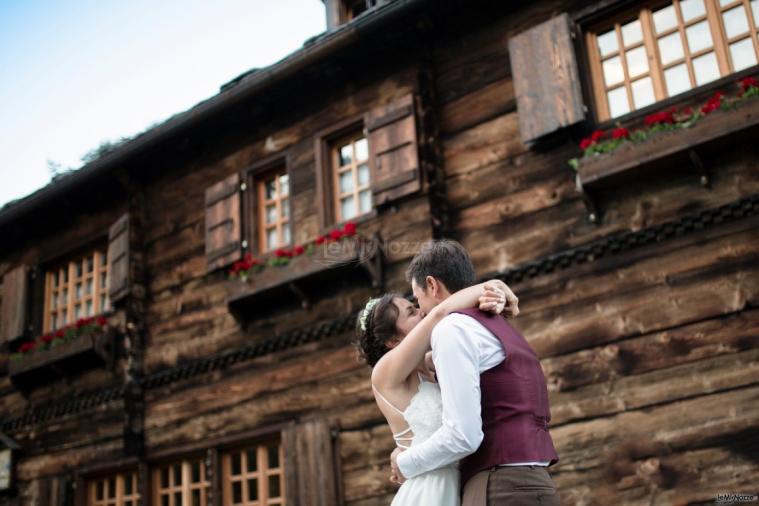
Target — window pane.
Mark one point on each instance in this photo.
(78, 269)
(89, 262)
(632, 33)
(196, 497)
(164, 500)
(251, 457)
(286, 235)
(270, 189)
(236, 491)
(285, 208)
(618, 102)
(346, 181)
(195, 471)
(77, 311)
(274, 486)
(128, 484)
(607, 43)
(705, 68)
(699, 36)
(53, 299)
(164, 477)
(271, 242)
(65, 275)
(78, 291)
(347, 208)
(665, 19)
(90, 310)
(726, 2)
(271, 214)
(755, 9)
(677, 80)
(670, 48)
(178, 499)
(102, 279)
(637, 62)
(252, 490)
(284, 184)
(236, 464)
(363, 175)
(99, 490)
(365, 203)
(736, 21)
(742, 54)
(177, 478)
(273, 453)
(613, 72)
(362, 149)
(643, 92)
(692, 9)
(55, 280)
(346, 154)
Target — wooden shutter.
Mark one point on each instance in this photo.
(546, 80)
(13, 311)
(118, 259)
(223, 228)
(391, 131)
(311, 476)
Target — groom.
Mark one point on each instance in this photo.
(495, 400)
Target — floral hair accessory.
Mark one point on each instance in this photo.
(367, 309)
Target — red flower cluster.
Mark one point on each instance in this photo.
(593, 139)
(246, 263)
(659, 118)
(713, 103)
(748, 82)
(620, 133)
(81, 323)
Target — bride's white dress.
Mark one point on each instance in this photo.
(424, 415)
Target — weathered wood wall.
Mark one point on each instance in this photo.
(650, 353)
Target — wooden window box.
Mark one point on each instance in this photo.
(66, 359)
(351, 260)
(668, 151)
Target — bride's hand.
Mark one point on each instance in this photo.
(498, 298)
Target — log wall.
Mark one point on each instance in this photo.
(650, 352)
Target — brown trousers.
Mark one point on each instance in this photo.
(511, 485)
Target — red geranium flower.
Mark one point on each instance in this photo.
(320, 240)
(335, 235)
(298, 250)
(81, 322)
(660, 117)
(46, 338)
(101, 320)
(713, 103)
(586, 143)
(596, 136)
(60, 333)
(27, 347)
(748, 82)
(620, 133)
(349, 229)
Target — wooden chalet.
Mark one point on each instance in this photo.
(135, 371)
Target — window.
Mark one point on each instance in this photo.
(253, 476)
(76, 288)
(181, 483)
(273, 190)
(115, 490)
(351, 181)
(669, 48)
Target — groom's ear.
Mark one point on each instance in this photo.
(431, 286)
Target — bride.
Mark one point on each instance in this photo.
(393, 336)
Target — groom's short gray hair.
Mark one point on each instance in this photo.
(443, 259)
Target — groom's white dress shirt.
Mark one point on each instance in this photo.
(462, 349)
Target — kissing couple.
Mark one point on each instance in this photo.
(470, 418)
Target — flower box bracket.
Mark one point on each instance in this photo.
(307, 278)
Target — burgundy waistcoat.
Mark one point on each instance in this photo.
(515, 411)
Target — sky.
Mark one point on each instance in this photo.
(75, 73)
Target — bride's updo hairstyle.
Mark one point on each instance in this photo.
(375, 328)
